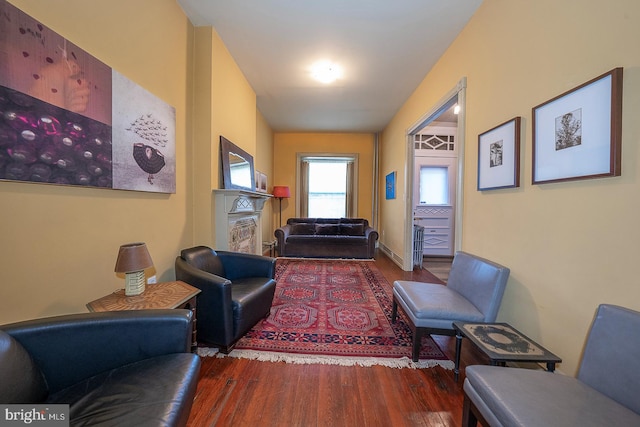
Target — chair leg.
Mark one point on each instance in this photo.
(468, 417)
(471, 416)
(394, 310)
(417, 341)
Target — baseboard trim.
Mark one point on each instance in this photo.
(397, 259)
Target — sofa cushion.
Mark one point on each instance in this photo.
(21, 380)
(329, 229)
(326, 241)
(292, 221)
(362, 221)
(326, 220)
(352, 229)
(302, 228)
(535, 397)
(151, 392)
(252, 298)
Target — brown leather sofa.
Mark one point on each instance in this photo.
(327, 238)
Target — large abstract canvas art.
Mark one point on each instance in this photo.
(67, 118)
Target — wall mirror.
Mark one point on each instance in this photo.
(237, 166)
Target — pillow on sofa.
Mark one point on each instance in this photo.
(352, 220)
(327, 229)
(352, 229)
(327, 221)
(302, 228)
(301, 221)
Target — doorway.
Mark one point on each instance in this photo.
(435, 155)
(434, 202)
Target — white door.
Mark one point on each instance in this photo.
(434, 201)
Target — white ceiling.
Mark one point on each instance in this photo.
(385, 47)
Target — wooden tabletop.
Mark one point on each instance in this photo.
(157, 295)
(501, 341)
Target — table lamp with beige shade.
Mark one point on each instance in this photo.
(133, 259)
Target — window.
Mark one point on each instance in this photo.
(327, 189)
(327, 186)
(434, 185)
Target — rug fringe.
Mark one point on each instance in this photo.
(268, 356)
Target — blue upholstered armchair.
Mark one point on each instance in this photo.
(604, 392)
(237, 292)
(473, 294)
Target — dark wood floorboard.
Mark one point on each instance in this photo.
(240, 392)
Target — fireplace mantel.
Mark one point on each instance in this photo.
(241, 200)
(236, 208)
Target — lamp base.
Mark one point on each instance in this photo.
(134, 283)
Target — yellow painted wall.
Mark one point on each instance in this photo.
(59, 244)
(204, 171)
(264, 163)
(570, 246)
(224, 104)
(287, 145)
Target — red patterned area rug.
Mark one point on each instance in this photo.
(333, 312)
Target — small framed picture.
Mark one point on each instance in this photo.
(577, 135)
(261, 182)
(499, 156)
(390, 186)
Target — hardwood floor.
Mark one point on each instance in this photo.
(239, 392)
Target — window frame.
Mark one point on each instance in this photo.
(352, 187)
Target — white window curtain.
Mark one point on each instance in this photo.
(350, 199)
(304, 188)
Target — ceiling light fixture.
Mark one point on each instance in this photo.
(326, 72)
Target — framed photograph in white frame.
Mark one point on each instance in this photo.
(263, 183)
(577, 135)
(499, 156)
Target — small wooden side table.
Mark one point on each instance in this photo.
(502, 343)
(271, 247)
(167, 295)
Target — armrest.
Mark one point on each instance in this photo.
(215, 311)
(241, 265)
(74, 347)
(201, 279)
(215, 292)
(281, 234)
(371, 234)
